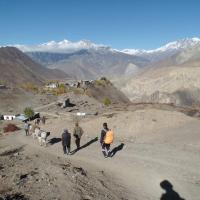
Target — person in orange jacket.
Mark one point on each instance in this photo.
(106, 139)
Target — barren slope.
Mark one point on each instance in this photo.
(17, 68)
(168, 80)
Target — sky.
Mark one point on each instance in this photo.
(121, 24)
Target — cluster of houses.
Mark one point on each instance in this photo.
(52, 85)
(19, 117)
(70, 84)
(7, 117)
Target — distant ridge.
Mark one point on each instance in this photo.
(86, 60)
(17, 68)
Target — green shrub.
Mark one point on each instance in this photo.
(106, 101)
(2, 82)
(100, 83)
(28, 112)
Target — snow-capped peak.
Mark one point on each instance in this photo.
(64, 46)
(133, 51)
(176, 45)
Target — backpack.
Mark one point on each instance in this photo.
(109, 137)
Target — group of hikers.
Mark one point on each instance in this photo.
(30, 128)
(106, 136)
(66, 138)
(106, 139)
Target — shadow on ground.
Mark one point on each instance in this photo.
(54, 140)
(85, 145)
(116, 149)
(169, 194)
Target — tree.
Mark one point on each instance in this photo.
(28, 112)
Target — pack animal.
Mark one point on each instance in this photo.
(42, 138)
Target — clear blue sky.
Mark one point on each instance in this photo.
(143, 24)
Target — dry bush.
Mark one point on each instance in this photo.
(88, 93)
(10, 128)
(77, 91)
(61, 89)
(103, 82)
(30, 87)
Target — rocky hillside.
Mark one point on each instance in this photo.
(104, 91)
(17, 68)
(172, 79)
(90, 63)
(178, 85)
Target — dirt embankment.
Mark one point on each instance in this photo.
(152, 144)
(27, 173)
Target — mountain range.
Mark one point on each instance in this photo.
(172, 70)
(87, 60)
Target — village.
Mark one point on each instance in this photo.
(50, 87)
(69, 84)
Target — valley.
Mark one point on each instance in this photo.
(150, 99)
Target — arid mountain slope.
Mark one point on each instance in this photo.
(179, 85)
(91, 64)
(104, 89)
(17, 68)
(174, 79)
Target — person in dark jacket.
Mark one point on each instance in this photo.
(66, 141)
(105, 147)
(26, 128)
(78, 132)
(43, 119)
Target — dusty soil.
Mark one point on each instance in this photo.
(14, 100)
(151, 145)
(30, 172)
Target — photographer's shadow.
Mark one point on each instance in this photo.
(169, 194)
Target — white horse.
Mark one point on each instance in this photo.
(42, 138)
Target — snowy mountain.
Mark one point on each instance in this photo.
(64, 46)
(173, 77)
(85, 59)
(172, 46)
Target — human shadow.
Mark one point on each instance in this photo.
(169, 194)
(54, 140)
(85, 145)
(116, 149)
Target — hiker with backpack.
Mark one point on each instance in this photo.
(78, 132)
(106, 140)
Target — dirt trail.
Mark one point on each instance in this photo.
(166, 146)
(44, 106)
(141, 166)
